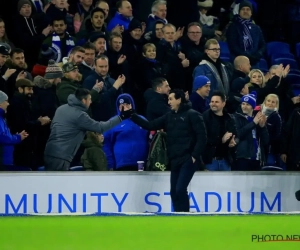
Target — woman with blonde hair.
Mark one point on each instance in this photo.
(270, 109)
(258, 83)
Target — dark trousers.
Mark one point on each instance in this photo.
(180, 179)
(247, 165)
(56, 164)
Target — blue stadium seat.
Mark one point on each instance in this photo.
(17, 168)
(293, 79)
(42, 168)
(281, 55)
(285, 61)
(263, 64)
(224, 49)
(296, 89)
(294, 71)
(298, 50)
(274, 47)
(225, 59)
(77, 168)
(271, 168)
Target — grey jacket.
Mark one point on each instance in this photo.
(68, 128)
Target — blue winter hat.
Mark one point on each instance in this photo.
(124, 99)
(199, 82)
(250, 99)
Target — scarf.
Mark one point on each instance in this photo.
(222, 86)
(38, 5)
(247, 37)
(151, 60)
(206, 20)
(56, 44)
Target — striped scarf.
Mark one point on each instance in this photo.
(56, 45)
(247, 37)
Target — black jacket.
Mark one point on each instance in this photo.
(20, 117)
(3, 84)
(186, 134)
(291, 136)
(213, 134)
(245, 147)
(157, 104)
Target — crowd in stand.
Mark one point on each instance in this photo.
(129, 55)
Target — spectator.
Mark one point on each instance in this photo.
(199, 97)
(21, 116)
(221, 135)
(7, 140)
(242, 67)
(184, 151)
(5, 72)
(212, 67)
(17, 62)
(244, 37)
(70, 83)
(290, 144)
(3, 36)
(105, 108)
(84, 8)
(259, 85)
(210, 24)
(68, 128)
(94, 24)
(98, 39)
(253, 136)
(193, 47)
(155, 35)
(118, 64)
(27, 36)
(159, 13)
(149, 68)
(157, 99)
(122, 17)
(60, 41)
(94, 158)
(76, 56)
(126, 143)
(169, 53)
(87, 65)
(239, 88)
(270, 109)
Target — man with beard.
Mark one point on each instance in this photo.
(60, 41)
(17, 62)
(20, 117)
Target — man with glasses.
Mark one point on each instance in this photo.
(212, 67)
(193, 48)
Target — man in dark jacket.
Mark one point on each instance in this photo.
(244, 37)
(5, 72)
(69, 126)
(221, 135)
(20, 116)
(186, 140)
(253, 136)
(157, 99)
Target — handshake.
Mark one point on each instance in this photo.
(125, 114)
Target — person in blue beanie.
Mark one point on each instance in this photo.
(126, 143)
(201, 90)
(253, 135)
(7, 140)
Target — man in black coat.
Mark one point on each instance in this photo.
(221, 135)
(20, 116)
(186, 140)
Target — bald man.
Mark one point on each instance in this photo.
(242, 67)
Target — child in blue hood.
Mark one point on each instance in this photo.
(126, 143)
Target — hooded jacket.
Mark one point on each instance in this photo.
(68, 129)
(93, 157)
(7, 141)
(126, 143)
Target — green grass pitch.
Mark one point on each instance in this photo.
(146, 232)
